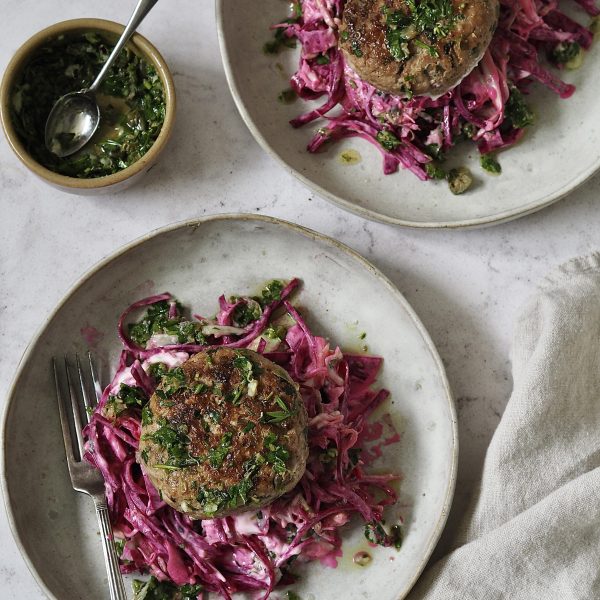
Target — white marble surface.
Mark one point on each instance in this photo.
(466, 286)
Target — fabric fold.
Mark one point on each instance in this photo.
(533, 528)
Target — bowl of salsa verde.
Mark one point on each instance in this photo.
(136, 100)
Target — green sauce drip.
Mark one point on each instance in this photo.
(431, 19)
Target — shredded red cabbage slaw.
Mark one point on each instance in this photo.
(476, 109)
(250, 551)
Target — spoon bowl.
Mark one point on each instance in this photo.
(72, 122)
(75, 117)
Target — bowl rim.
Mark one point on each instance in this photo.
(24, 53)
(196, 223)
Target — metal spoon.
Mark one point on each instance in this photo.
(75, 117)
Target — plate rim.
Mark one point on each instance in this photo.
(195, 223)
(366, 213)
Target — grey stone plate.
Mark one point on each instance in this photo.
(343, 295)
(556, 155)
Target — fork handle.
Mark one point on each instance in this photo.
(115, 580)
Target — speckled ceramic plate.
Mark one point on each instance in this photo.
(343, 294)
(559, 153)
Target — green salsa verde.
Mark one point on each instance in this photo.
(131, 100)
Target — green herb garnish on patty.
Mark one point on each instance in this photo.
(249, 383)
(283, 414)
(217, 455)
(432, 19)
(146, 415)
(276, 455)
(176, 444)
(173, 381)
(211, 500)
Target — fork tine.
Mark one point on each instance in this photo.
(97, 386)
(64, 419)
(87, 400)
(75, 409)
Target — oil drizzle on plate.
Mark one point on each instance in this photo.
(362, 558)
(350, 157)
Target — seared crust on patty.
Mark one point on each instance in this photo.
(228, 453)
(433, 66)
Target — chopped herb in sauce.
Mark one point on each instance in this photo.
(164, 590)
(198, 388)
(176, 443)
(275, 332)
(280, 39)
(235, 395)
(387, 140)
(432, 51)
(217, 455)
(276, 455)
(398, 33)
(248, 311)
(287, 96)
(490, 164)
(213, 415)
(146, 415)
(237, 495)
(119, 545)
(330, 455)
(517, 113)
(131, 101)
(431, 19)
(173, 381)
(356, 49)
(272, 291)
(127, 397)
(354, 455)
(376, 534)
(469, 130)
(434, 170)
(567, 54)
(350, 157)
(362, 558)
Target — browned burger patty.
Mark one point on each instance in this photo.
(224, 433)
(426, 50)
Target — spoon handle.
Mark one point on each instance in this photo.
(141, 10)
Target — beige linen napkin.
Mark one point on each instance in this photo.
(533, 529)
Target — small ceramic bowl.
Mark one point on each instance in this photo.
(98, 185)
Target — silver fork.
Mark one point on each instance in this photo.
(84, 477)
